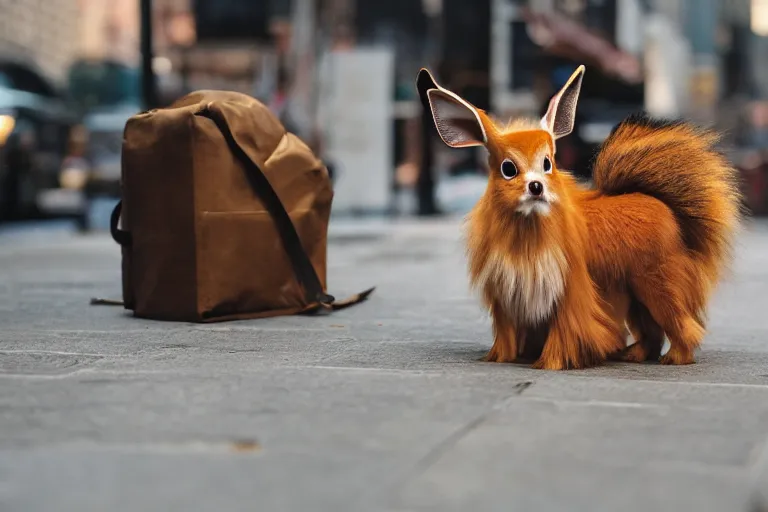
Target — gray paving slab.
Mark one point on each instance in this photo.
(382, 407)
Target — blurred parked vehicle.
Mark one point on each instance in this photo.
(108, 93)
(35, 124)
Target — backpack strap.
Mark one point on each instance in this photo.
(302, 266)
(118, 235)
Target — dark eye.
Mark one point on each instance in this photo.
(508, 169)
(547, 164)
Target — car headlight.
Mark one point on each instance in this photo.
(7, 124)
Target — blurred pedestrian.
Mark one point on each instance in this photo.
(279, 104)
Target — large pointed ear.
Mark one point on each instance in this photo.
(457, 121)
(561, 113)
(424, 83)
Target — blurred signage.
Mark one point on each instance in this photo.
(759, 17)
(704, 86)
(356, 119)
(630, 26)
(667, 69)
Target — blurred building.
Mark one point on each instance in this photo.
(222, 44)
(44, 31)
(109, 30)
(702, 59)
(53, 34)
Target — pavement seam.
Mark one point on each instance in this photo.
(595, 403)
(689, 383)
(444, 369)
(55, 352)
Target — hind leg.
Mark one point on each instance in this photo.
(648, 335)
(683, 342)
(662, 294)
(618, 305)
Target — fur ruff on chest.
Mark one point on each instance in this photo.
(527, 290)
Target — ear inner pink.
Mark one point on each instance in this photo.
(457, 123)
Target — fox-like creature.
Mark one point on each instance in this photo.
(564, 269)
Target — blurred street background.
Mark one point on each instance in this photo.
(385, 406)
(341, 73)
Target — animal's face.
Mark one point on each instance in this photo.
(523, 176)
(521, 155)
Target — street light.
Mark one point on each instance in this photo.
(148, 83)
(425, 184)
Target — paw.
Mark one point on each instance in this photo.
(636, 353)
(504, 350)
(495, 357)
(548, 364)
(677, 357)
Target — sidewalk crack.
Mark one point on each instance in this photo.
(442, 447)
(446, 444)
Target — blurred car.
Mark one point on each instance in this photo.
(108, 93)
(35, 124)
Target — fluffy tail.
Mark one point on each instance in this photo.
(678, 164)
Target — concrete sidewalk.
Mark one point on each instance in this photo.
(381, 407)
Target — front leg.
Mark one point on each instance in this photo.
(583, 334)
(504, 349)
(554, 356)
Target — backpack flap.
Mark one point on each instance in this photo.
(238, 126)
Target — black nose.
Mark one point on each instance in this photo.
(536, 188)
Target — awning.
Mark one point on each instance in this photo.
(565, 38)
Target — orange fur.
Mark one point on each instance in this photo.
(645, 247)
(580, 331)
(664, 218)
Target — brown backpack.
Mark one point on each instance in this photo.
(224, 215)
